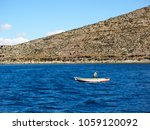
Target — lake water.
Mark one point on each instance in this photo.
(51, 88)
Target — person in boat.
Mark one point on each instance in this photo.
(95, 74)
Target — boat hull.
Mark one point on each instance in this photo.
(92, 80)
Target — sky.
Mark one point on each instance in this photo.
(24, 20)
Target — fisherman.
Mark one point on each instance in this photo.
(95, 75)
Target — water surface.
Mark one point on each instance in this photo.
(52, 88)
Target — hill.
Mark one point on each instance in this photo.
(122, 38)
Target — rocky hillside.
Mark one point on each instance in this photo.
(126, 37)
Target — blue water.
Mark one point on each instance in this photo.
(52, 88)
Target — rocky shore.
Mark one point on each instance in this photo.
(81, 62)
(122, 39)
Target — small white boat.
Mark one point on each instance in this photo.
(92, 80)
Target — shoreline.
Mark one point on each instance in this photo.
(82, 62)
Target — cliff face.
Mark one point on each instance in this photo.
(126, 37)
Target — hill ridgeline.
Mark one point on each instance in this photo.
(122, 38)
